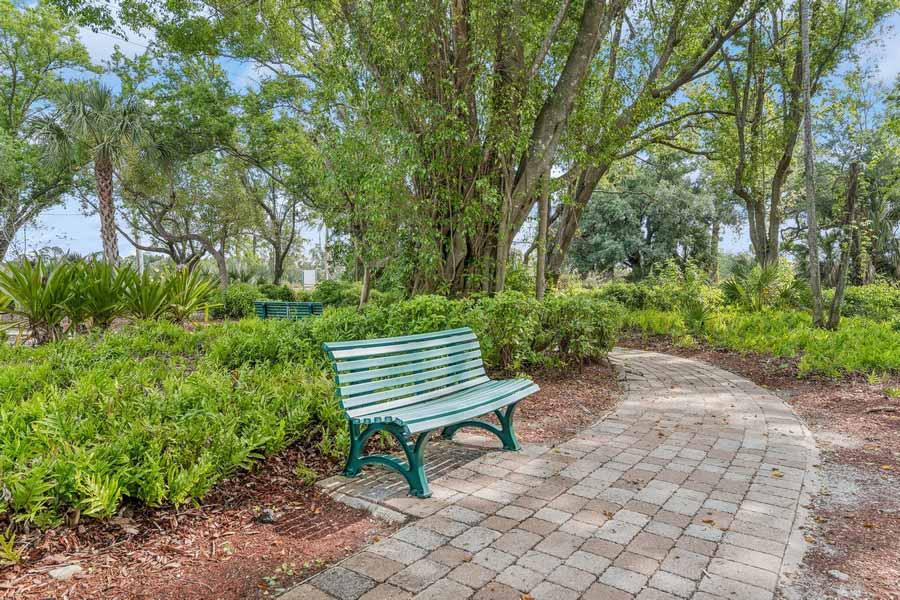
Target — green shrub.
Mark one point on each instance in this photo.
(189, 292)
(578, 327)
(757, 288)
(507, 325)
(237, 301)
(146, 297)
(270, 291)
(879, 301)
(629, 295)
(97, 293)
(424, 313)
(333, 292)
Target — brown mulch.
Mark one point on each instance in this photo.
(856, 423)
(568, 402)
(220, 550)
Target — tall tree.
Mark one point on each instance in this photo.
(94, 126)
(37, 46)
(809, 163)
(761, 86)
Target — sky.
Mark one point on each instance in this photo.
(68, 227)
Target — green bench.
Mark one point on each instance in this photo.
(274, 309)
(413, 385)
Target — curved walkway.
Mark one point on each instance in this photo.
(690, 489)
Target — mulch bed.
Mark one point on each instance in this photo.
(221, 549)
(856, 424)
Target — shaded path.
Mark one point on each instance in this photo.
(690, 489)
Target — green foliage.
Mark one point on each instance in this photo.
(858, 346)
(756, 288)
(39, 293)
(270, 291)
(146, 414)
(9, 554)
(97, 293)
(878, 301)
(630, 295)
(335, 292)
(188, 292)
(237, 300)
(578, 327)
(507, 325)
(146, 297)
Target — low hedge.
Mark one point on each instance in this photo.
(158, 414)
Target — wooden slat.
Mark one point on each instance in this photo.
(461, 401)
(408, 366)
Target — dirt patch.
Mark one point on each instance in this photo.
(221, 549)
(855, 420)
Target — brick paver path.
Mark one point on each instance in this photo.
(690, 489)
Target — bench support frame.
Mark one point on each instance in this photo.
(506, 432)
(414, 469)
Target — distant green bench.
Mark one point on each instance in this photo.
(274, 309)
(412, 385)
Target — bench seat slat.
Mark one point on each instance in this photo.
(392, 348)
(362, 411)
(414, 390)
(456, 407)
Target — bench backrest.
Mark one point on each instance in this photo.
(391, 373)
(271, 309)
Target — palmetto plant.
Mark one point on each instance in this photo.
(188, 292)
(97, 294)
(94, 125)
(146, 297)
(756, 288)
(38, 293)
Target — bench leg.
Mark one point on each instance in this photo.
(414, 469)
(506, 432)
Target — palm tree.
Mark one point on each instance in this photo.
(94, 125)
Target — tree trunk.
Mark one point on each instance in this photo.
(714, 250)
(103, 174)
(812, 233)
(366, 285)
(543, 225)
(222, 266)
(834, 314)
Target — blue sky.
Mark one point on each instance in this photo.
(66, 226)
